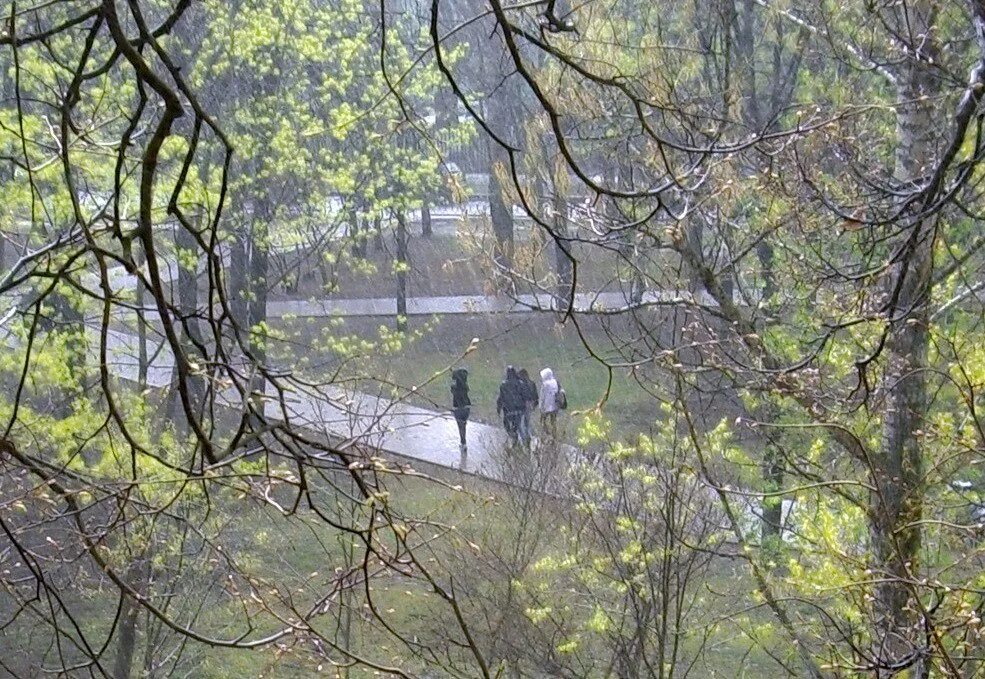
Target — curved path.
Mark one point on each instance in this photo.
(347, 416)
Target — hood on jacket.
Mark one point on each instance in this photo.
(546, 375)
(510, 373)
(459, 375)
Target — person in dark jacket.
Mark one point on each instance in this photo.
(461, 404)
(529, 390)
(510, 403)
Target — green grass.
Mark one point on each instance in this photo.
(285, 553)
(524, 341)
(303, 556)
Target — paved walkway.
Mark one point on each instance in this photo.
(584, 302)
(385, 427)
(397, 428)
(598, 302)
(446, 220)
(380, 423)
(343, 415)
(465, 305)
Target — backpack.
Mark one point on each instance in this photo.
(561, 399)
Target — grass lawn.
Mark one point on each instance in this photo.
(483, 515)
(303, 556)
(524, 341)
(298, 558)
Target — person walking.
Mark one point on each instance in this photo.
(529, 391)
(461, 404)
(551, 396)
(509, 404)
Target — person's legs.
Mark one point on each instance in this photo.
(511, 421)
(548, 422)
(525, 427)
(463, 448)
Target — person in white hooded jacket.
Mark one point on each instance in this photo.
(548, 401)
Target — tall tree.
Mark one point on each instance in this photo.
(778, 214)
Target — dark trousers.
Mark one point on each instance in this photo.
(526, 433)
(462, 420)
(511, 421)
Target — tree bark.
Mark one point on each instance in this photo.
(562, 257)
(747, 27)
(127, 640)
(500, 213)
(238, 282)
(378, 232)
(327, 273)
(354, 233)
(896, 506)
(427, 230)
(628, 247)
(401, 273)
(191, 333)
(138, 575)
(774, 470)
(360, 230)
(745, 46)
(259, 266)
(142, 359)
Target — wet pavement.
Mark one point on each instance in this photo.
(597, 302)
(352, 419)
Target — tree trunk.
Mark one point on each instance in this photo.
(500, 213)
(773, 474)
(563, 265)
(773, 462)
(628, 247)
(138, 575)
(152, 638)
(897, 505)
(239, 288)
(401, 272)
(142, 359)
(378, 232)
(259, 265)
(360, 230)
(500, 114)
(427, 230)
(354, 233)
(773, 470)
(127, 640)
(745, 46)
(327, 274)
(190, 330)
(71, 325)
(188, 285)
